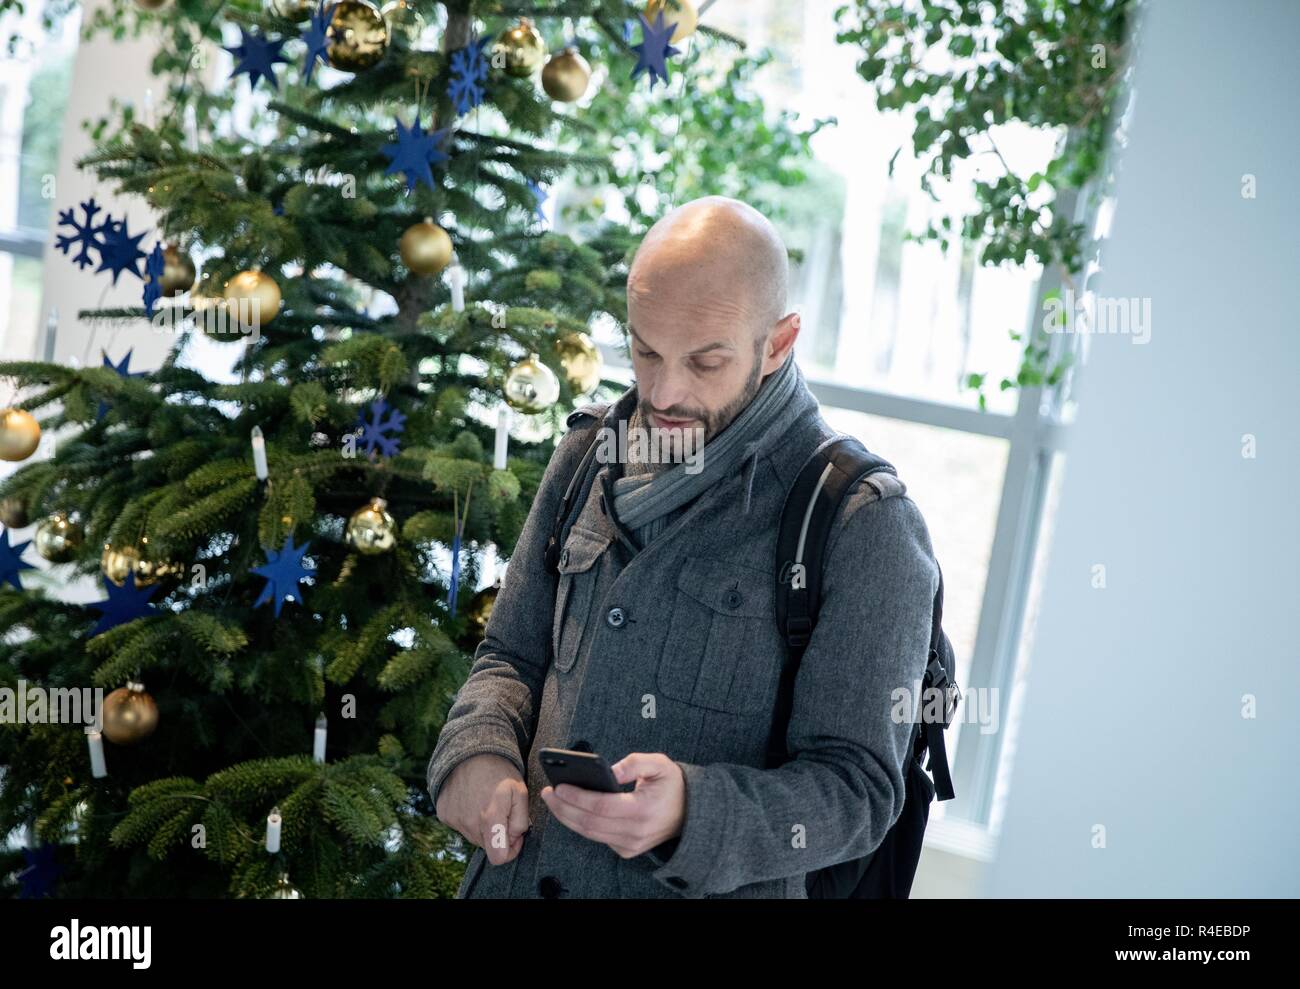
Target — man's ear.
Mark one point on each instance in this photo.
(780, 341)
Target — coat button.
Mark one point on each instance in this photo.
(549, 887)
(564, 558)
(733, 599)
(616, 618)
(581, 745)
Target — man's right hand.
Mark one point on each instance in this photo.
(486, 800)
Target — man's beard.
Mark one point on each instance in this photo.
(714, 422)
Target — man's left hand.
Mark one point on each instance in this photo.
(630, 823)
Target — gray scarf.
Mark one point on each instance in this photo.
(645, 502)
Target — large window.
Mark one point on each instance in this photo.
(34, 85)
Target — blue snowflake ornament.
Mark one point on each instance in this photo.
(375, 431)
(283, 570)
(469, 71)
(123, 604)
(316, 37)
(119, 251)
(153, 269)
(11, 561)
(257, 56)
(654, 50)
(413, 152)
(87, 234)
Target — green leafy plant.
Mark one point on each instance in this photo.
(963, 68)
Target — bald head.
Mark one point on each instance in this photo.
(720, 252)
(706, 313)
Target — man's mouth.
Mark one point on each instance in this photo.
(663, 422)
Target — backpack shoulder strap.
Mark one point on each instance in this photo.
(588, 418)
(810, 508)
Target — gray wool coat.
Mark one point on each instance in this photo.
(676, 650)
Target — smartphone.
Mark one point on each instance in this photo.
(585, 769)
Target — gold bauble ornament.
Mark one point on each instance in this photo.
(13, 513)
(425, 247)
(581, 361)
(58, 538)
(681, 12)
(566, 76)
(405, 23)
(130, 715)
(20, 434)
(293, 10)
(151, 4)
(256, 297)
(178, 271)
(285, 890)
(523, 48)
(371, 530)
(480, 610)
(117, 562)
(531, 386)
(358, 36)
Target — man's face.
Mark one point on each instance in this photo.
(689, 377)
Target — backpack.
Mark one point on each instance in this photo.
(810, 507)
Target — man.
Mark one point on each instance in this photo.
(656, 644)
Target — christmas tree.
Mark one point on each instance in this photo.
(288, 559)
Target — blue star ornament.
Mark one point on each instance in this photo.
(119, 251)
(123, 604)
(469, 72)
(257, 56)
(654, 49)
(11, 562)
(316, 37)
(121, 369)
(41, 870)
(153, 269)
(283, 570)
(413, 152)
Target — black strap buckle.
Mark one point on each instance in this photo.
(798, 630)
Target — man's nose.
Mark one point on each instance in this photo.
(669, 389)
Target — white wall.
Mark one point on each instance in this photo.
(103, 69)
(1134, 722)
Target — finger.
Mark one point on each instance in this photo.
(639, 765)
(601, 804)
(589, 825)
(518, 820)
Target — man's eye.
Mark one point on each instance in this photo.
(647, 353)
(708, 367)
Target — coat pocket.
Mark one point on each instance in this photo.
(723, 651)
(574, 594)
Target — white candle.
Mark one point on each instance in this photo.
(273, 831)
(191, 130)
(318, 747)
(259, 454)
(51, 332)
(456, 276)
(148, 109)
(95, 740)
(502, 438)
